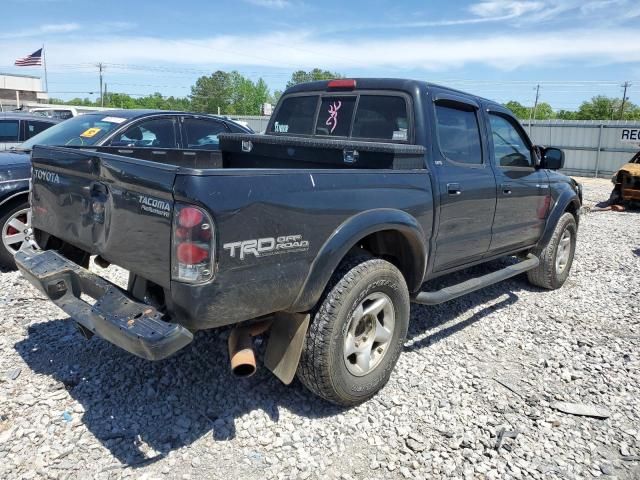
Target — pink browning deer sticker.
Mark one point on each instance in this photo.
(333, 115)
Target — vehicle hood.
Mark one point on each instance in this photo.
(14, 166)
(632, 169)
(14, 158)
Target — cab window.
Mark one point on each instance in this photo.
(34, 127)
(9, 130)
(383, 117)
(459, 134)
(201, 133)
(156, 133)
(296, 115)
(510, 149)
(334, 118)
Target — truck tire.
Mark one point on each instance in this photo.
(556, 257)
(14, 220)
(357, 332)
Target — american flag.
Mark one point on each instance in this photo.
(30, 60)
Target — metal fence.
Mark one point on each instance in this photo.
(257, 122)
(592, 148)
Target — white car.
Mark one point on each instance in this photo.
(61, 113)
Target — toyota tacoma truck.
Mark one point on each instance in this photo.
(318, 234)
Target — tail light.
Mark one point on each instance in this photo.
(193, 246)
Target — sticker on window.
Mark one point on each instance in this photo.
(280, 127)
(399, 135)
(114, 119)
(332, 121)
(90, 132)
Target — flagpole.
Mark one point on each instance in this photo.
(44, 63)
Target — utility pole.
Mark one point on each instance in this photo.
(104, 96)
(100, 68)
(626, 85)
(532, 115)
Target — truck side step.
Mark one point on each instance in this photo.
(455, 291)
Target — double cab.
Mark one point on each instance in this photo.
(319, 233)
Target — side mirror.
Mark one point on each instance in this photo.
(552, 158)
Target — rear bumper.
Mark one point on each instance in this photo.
(131, 325)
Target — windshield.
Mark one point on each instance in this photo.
(82, 130)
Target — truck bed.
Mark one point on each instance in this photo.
(122, 209)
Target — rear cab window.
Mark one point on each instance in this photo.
(356, 115)
(34, 127)
(9, 130)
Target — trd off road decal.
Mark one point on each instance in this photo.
(332, 121)
(263, 247)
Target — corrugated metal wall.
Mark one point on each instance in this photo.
(257, 122)
(592, 148)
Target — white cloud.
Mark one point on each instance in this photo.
(53, 28)
(300, 50)
(504, 9)
(270, 3)
(59, 28)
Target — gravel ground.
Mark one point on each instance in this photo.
(471, 396)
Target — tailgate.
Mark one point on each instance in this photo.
(109, 205)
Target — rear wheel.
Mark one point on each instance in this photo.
(556, 257)
(357, 333)
(16, 229)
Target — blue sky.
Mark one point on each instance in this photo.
(495, 48)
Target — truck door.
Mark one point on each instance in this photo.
(467, 186)
(523, 191)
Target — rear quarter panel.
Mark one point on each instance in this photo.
(254, 204)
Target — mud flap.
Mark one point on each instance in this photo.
(285, 344)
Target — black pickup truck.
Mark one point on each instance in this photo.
(319, 233)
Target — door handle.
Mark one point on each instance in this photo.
(453, 189)
(506, 190)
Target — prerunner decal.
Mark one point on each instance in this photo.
(333, 115)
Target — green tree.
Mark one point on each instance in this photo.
(606, 108)
(302, 76)
(600, 107)
(544, 111)
(212, 93)
(519, 110)
(273, 99)
(567, 115)
(120, 100)
(231, 92)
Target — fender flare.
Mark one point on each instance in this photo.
(347, 235)
(20, 190)
(566, 198)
